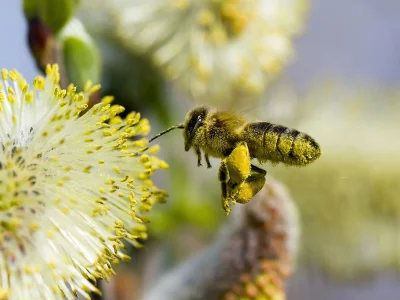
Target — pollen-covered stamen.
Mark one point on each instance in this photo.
(17, 179)
(71, 187)
(225, 19)
(216, 49)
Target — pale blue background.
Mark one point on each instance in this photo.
(14, 51)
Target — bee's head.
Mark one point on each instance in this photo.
(194, 120)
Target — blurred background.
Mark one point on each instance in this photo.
(335, 74)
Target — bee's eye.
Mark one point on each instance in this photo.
(199, 119)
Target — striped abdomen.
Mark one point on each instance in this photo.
(276, 143)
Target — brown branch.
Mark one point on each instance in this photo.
(45, 48)
(251, 258)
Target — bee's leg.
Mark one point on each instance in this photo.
(246, 180)
(207, 160)
(223, 178)
(257, 170)
(252, 185)
(198, 153)
(239, 169)
(225, 198)
(238, 163)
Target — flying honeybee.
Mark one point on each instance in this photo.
(237, 141)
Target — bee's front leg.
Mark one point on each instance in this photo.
(198, 153)
(207, 160)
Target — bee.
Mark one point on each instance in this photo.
(229, 136)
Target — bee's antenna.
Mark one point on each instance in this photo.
(179, 126)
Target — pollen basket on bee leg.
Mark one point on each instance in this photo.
(238, 163)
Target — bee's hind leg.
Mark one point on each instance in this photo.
(238, 163)
(245, 179)
(252, 185)
(233, 172)
(240, 180)
(207, 161)
(256, 170)
(223, 178)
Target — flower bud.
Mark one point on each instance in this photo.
(81, 56)
(53, 14)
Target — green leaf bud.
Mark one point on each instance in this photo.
(52, 13)
(81, 57)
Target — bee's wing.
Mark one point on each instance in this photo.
(229, 120)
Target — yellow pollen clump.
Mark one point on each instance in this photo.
(154, 149)
(107, 99)
(4, 74)
(29, 97)
(140, 143)
(235, 17)
(71, 89)
(124, 178)
(133, 118)
(13, 75)
(10, 90)
(144, 158)
(163, 165)
(87, 85)
(116, 120)
(87, 169)
(38, 83)
(82, 107)
(94, 88)
(11, 98)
